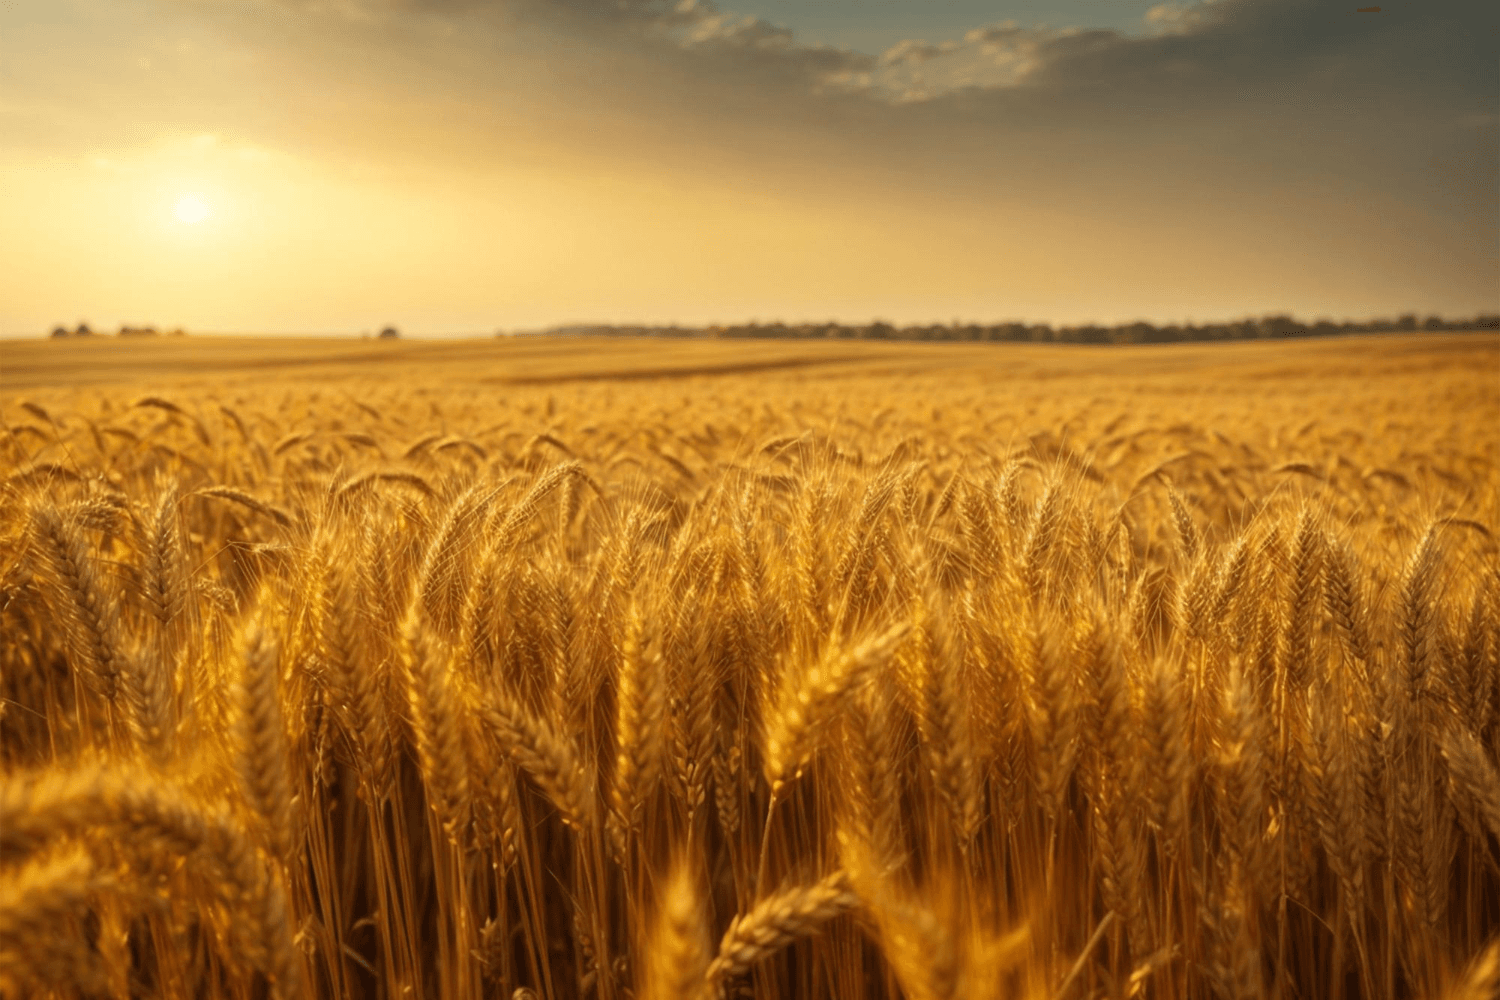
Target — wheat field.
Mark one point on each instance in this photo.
(576, 669)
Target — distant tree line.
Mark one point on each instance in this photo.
(1264, 328)
(83, 330)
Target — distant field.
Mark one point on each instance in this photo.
(677, 670)
(521, 360)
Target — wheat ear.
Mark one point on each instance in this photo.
(641, 705)
(244, 499)
(90, 614)
(155, 819)
(677, 963)
(437, 727)
(37, 905)
(777, 921)
(1482, 979)
(551, 760)
(262, 750)
(789, 733)
(1474, 775)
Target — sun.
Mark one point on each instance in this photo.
(190, 209)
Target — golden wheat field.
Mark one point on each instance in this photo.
(632, 669)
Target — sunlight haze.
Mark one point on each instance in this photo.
(330, 167)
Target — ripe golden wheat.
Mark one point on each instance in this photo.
(790, 691)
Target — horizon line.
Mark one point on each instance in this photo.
(1281, 322)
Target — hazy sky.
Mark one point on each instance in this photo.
(468, 165)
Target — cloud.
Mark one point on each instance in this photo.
(1215, 48)
(1265, 91)
(1187, 54)
(989, 57)
(1179, 18)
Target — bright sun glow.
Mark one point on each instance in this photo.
(190, 209)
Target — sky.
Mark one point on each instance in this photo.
(466, 166)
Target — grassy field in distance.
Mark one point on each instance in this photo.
(595, 667)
